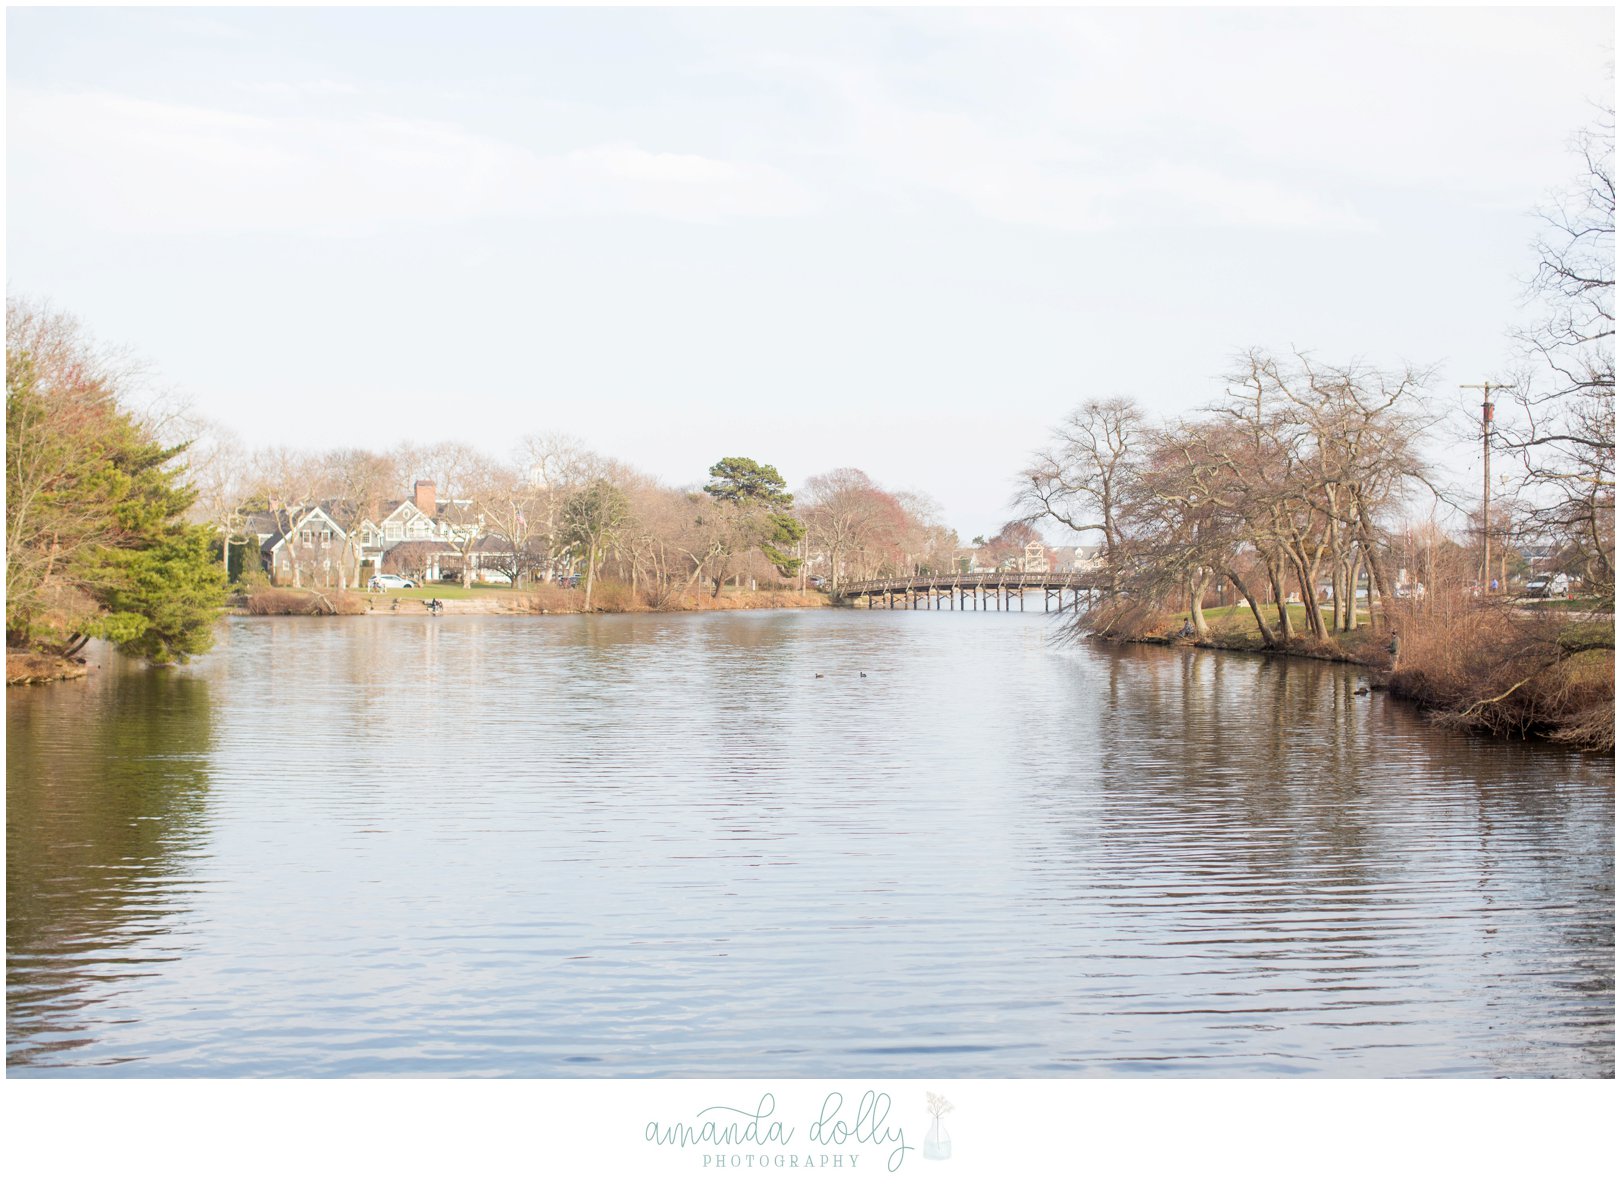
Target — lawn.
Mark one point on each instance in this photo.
(444, 590)
(1580, 603)
(1236, 623)
(1235, 616)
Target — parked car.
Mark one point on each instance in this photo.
(390, 582)
(1548, 586)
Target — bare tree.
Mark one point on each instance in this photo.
(413, 559)
(1561, 421)
(843, 510)
(509, 506)
(556, 466)
(219, 468)
(60, 386)
(354, 484)
(1079, 479)
(931, 545)
(288, 482)
(457, 470)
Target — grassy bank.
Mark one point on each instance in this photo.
(1519, 670)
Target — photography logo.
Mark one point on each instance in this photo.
(937, 1144)
(845, 1133)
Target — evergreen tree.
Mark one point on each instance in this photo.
(756, 511)
(97, 545)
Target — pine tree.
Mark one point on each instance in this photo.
(97, 544)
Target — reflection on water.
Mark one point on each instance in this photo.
(661, 845)
(106, 784)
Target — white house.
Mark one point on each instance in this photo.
(1080, 559)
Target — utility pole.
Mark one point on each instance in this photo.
(1485, 482)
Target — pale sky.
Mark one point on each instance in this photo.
(904, 240)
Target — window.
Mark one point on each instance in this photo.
(326, 536)
(307, 536)
(393, 531)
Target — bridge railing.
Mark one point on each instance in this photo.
(1070, 580)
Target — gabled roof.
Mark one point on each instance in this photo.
(410, 509)
(301, 521)
(264, 524)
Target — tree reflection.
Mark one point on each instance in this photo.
(106, 791)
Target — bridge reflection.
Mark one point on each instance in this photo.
(976, 592)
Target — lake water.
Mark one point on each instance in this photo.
(661, 845)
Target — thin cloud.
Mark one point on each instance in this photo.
(314, 88)
(177, 168)
(1058, 175)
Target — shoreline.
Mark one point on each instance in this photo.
(1409, 685)
(24, 667)
(27, 667)
(1381, 678)
(286, 602)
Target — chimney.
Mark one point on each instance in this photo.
(425, 494)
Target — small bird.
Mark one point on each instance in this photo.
(818, 674)
(863, 673)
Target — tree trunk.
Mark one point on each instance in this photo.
(1376, 572)
(1198, 586)
(590, 573)
(1286, 629)
(1255, 608)
(1308, 600)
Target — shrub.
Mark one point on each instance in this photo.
(1488, 666)
(548, 599)
(609, 594)
(272, 600)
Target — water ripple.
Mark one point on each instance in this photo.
(658, 846)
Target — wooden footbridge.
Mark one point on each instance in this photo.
(978, 592)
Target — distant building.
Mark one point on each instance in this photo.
(311, 539)
(304, 548)
(1079, 559)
